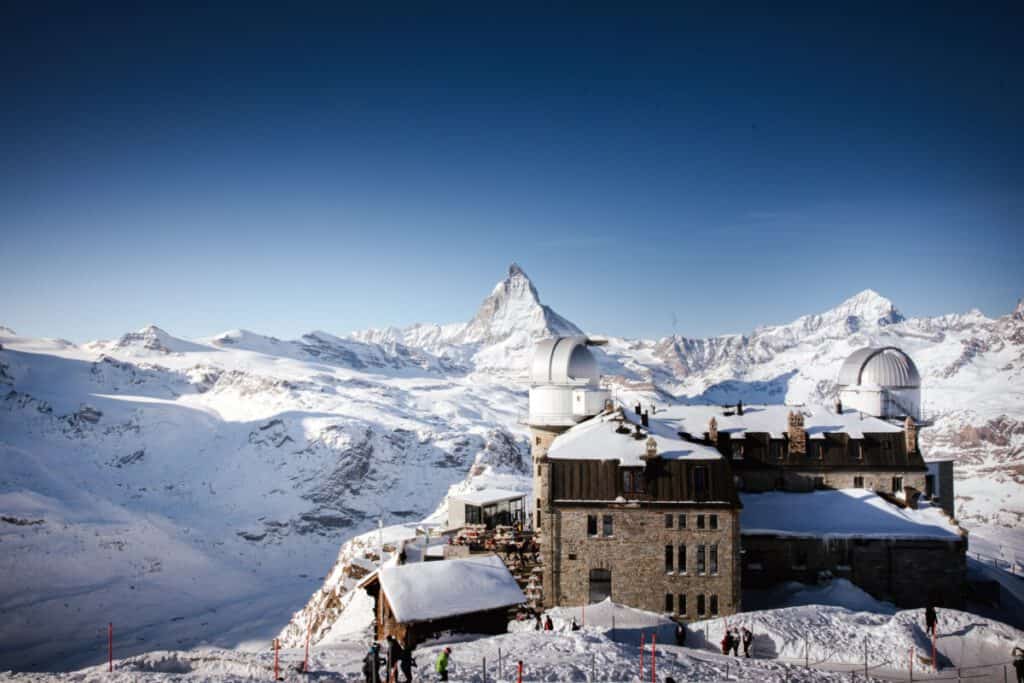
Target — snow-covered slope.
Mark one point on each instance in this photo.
(171, 485)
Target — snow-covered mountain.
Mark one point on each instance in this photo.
(172, 485)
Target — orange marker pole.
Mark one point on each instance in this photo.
(277, 676)
(519, 671)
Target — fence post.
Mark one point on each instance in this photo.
(519, 671)
(911, 662)
(110, 646)
(500, 674)
(305, 662)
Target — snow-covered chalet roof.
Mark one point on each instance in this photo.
(773, 420)
(433, 590)
(844, 513)
(597, 439)
(487, 496)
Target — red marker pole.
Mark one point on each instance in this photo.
(654, 659)
(110, 646)
(519, 671)
(641, 656)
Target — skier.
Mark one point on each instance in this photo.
(680, 634)
(930, 619)
(395, 654)
(726, 642)
(748, 640)
(538, 626)
(442, 664)
(371, 664)
(1018, 663)
(734, 638)
(574, 626)
(407, 663)
(548, 624)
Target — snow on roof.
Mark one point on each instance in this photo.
(434, 590)
(774, 420)
(850, 513)
(487, 496)
(597, 439)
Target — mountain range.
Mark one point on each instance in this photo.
(175, 486)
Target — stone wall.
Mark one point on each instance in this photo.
(635, 556)
(908, 573)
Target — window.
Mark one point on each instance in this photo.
(700, 521)
(713, 521)
(682, 604)
(682, 559)
(606, 525)
(929, 485)
(538, 519)
(669, 603)
(886, 444)
(737, 450)
(858, 482)
(897, 484)
(538, 470)
(591, 525)
(700, 481)
(474, 515)
(668, 521)
(701, 559)
(713, 604)
(682, 520)
(713, 559)
(700, 605)
(668, 559)
(600, 585)
(633, 481)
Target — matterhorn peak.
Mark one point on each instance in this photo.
(514, 306)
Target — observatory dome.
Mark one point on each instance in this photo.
(564, 360)
(880, 367)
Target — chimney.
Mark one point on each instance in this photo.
(713, 431)
(797, 433)
(644, 420)
(636, 408)
(652, 449)
(739, 408)
(910, 434)
(839, 406)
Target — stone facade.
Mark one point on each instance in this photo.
(809, 479)
(797, 433)
(635, 555)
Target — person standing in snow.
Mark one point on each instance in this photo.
(726, 642)
(680, 634)
(548, 624)
(395, 654)
(930, 619)
(1018, 663)
(371, 664)
(574, 626)
(407, 663)
(442, 664)
(538, 626)
(734, 637)
(748, 639)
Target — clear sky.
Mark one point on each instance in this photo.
(331, 168)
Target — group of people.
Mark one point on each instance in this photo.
(397, 658)
(732, 639)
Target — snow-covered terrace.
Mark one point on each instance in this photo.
(486, 496)
(845, 513)
(774, 420)
(433, 590)
(597, 439)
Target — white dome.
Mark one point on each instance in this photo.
(881, 367)
(564, 360)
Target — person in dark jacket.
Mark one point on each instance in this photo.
(680, 635)
(726, 642)
(931, 619)
(548, 624)
(1018, 663)
(371, 664)
(538, 626)
(395, 653)
(748, 640)
(574, 626)
(407, 663)
(734, 636)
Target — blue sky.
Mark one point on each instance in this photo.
(302, 168)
